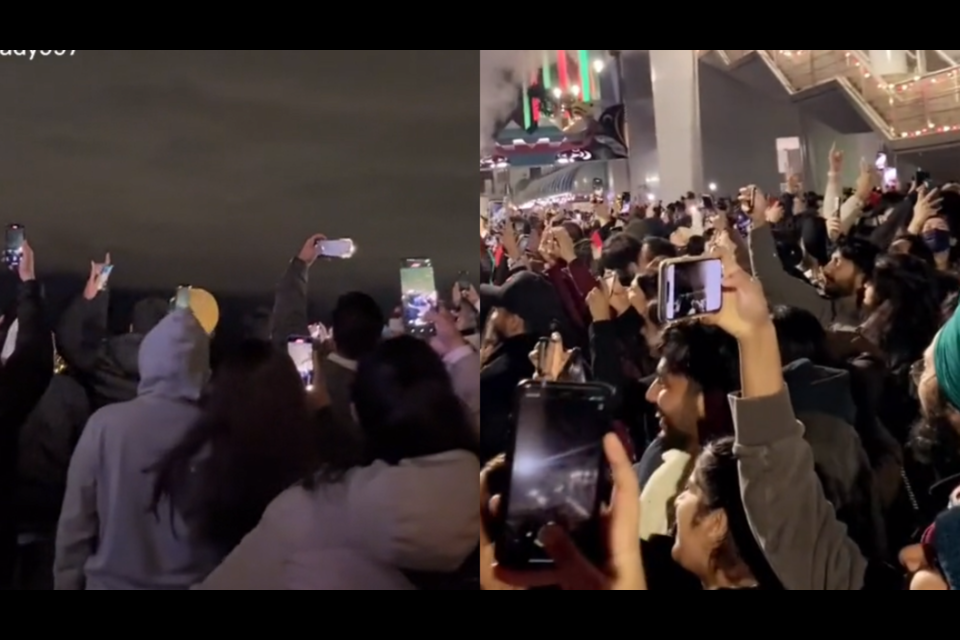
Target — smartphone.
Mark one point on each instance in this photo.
(707, 203)
(13, 248)
(557, 472)
(104, 278)
(750, 203)
(182, 298)
(690, 288)
(419, 295)
(837, 207)
(300, 349)
(341, 249)
(921, 178)
(463, 281)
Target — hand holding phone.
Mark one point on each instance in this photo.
(16, 236)
(342, 249)
(557, 472)
(419, 297)
(181, 300)
(300, 350)
(690, 288)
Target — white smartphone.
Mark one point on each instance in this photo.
(182, 298)
(300, 349)
(104, 278)
(690, 288)
(341, 249)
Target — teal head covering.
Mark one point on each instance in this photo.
(946, 361)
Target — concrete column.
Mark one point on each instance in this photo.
(676, 104)
(889, 62)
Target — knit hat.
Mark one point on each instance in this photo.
(205, 308)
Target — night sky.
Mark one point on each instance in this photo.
(212, 167)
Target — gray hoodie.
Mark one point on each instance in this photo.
(107, 539)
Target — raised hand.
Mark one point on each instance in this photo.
(27, 268)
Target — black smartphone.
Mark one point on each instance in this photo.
(13, 246)
(706, 203)
(463, 281)
(419, 288)
(689, 288)
(921, 178)
(557, 472)
(300, 350)
(750, 203)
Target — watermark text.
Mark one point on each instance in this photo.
(33, 54)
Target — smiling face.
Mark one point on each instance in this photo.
(678, 407)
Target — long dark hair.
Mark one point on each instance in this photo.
(406, 405)
(256, 438)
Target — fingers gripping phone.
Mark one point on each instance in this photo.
(690, 288)
(300, 349)
(557, 473)
(16, 236)
(419, 288)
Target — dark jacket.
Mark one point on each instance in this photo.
(823, 401)
(47, 442)
(23, 380)
(105, 366)
(506, 367)
(290, 304)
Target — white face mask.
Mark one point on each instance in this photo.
(10, 344)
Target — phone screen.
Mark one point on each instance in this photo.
(557, 471)
(343, 248)
(690, 289)
(300, 349)
(419, 295)
(708, 203)
(13, 247)
(104, 279)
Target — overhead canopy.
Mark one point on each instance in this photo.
(576, 179)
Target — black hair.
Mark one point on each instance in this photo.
(707, 355)
(660, 247)
(357, 325)
(406, 404)
(717, 476)
(696, 246)
(917, 248)
(801, 336)
(862, 253)
(907, 314)
(620, 251)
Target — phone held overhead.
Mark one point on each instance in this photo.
(557, 473)
(690, 288)
(419, 287)
(340, 249)
(16, 236)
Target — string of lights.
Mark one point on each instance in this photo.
(946, 83)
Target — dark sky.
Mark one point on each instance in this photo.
(212, 167)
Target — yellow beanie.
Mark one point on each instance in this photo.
(205, 308)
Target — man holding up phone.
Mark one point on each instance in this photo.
(24, 376)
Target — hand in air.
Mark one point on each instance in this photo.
(95, 283)
(866, 179)
(637, 298)
(599, 305)
(834, 228)
(27, 268)
(775, 213)
(836, 159)
(745, 307)
(753, 202)
(928, 205)
(308, 254)
(572, 571)
(550, 360)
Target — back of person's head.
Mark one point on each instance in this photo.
(621, 253)
(406, 405)
(904, 303)
(147, 314)
(574, 230)
(256, 438)
(357, 325)
(800, 335)
(862, 253)
(813, 231)
(696, 246)
(584, 251)
(708, 355)
(657, 247)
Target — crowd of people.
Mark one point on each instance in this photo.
(803, 436)
(128, 463)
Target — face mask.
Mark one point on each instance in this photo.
(938, 240)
